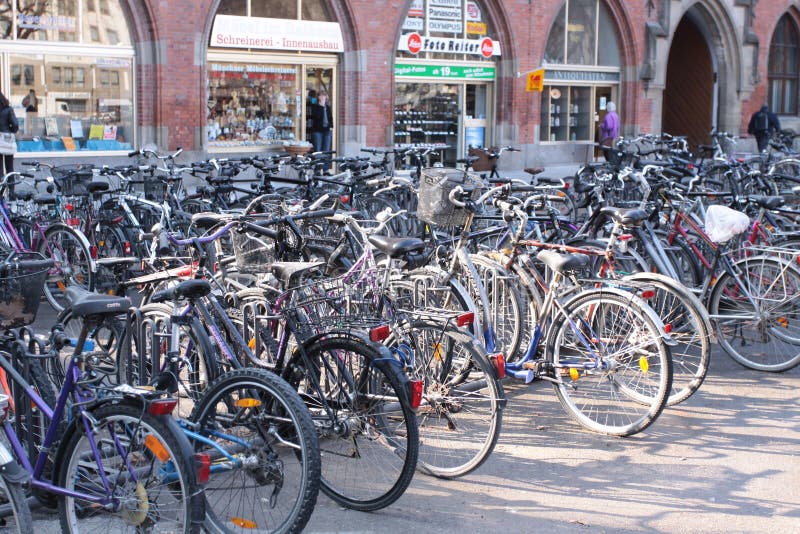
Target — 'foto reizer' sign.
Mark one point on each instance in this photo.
(415, 43)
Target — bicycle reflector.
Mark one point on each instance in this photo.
(243, 523)
(668, 328)
(415, 388)
(126, 246)
(162, 406)
(203, 463)
(379, 333)
(499, 363)
(155, 446)
(465, 319)
(647, 294)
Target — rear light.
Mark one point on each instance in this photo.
(127, 247)
(162, 406)
(566, 185)
(415, 388)
(625, 237)
(93, 252)
(345, 199)
(647, 294)
(69, 207)
(499, 364)
(203, 462)
(690, 166)
(465, 319)
(379, 333)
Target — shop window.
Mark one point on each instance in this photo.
(583, 34)
(275, 9)
(233, 7)
(783, 67)
(315, 10)
(75, 113)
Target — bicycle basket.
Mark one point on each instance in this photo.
(435, 185)
(72, 179)
(483, 164)
(22, 277)
(253, 253)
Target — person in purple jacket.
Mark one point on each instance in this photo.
(609, 128)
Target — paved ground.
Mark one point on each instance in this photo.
(728, 460)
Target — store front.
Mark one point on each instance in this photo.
(582, 73)
(68, 71)
(444, 78)
(267, 61)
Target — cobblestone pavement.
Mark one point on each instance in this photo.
(727, 460)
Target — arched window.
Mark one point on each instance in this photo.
(582, 71)
(783, 67)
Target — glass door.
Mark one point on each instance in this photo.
(318, 79)
(476, 116)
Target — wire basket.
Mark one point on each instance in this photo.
(72, 180)
(22, 277)
(434, 206)
(253, 253)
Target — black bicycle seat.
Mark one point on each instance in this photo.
(562, 263)
(85, 303)
(190, 289)
(625, 216)
(44, 200)
(290, 272)
(97, 187)
(207, 220)
(767, 202)
(394, 247)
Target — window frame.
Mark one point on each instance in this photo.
(786, 29)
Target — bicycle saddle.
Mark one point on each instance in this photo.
(97, 187)
(533, 171)
(85, 303)
(290, 272)
(767, 202)
(44, 200)
(625, 216)
(206, 220)
(24, 195)
(562, 263)
(190, 289)
(394, 247)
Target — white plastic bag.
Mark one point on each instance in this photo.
(723, 223)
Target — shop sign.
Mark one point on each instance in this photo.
(113, 63)
(448, 13)
(276, 34)
(416, 9)
(415, 44)
(448, 26)
(454, 72)
(473, 12)
(535, 81)
(447, 3)
(47, 22)
(476, 28)
(581, 76)
(414, 24)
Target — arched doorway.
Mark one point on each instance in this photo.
(690, 87)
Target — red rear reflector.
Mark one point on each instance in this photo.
(117, 220)
(69, 207)
(625, 237)
(345, 199)
(379, 333)
(647, 294)
(203, 462)
(162, 406)
(690, 166)
(668, 328)
(499, 363)
(93, 252)
(566, 185)
(415, 388)
(465, 318)
(127, 247)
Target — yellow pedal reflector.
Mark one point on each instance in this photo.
(574, 374)
(247, 403)
(437, 351)
(252, 343)
(783, 322)
(243, 523)
(644, 365)
(61, 285)
(156, 447)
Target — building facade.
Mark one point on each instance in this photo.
(241, 76)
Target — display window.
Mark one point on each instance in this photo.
(70, 75)
(267, 62)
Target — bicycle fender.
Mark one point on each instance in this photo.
(81, 237)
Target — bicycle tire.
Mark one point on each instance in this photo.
(357, 382)
(640, 354)
(289, 422)
(73, 262)
(460, 417)
(771, 336)
(13, 493)
(505, 303)
(147, 439)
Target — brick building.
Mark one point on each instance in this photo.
(236, 76)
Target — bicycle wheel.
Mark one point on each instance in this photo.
(271, 460)
(506, 306)
(148, 467)
(12, 497)
(72, 263)
(756, 313)
(613, 372)
(462, 407)
(689, 327)
(369, 438)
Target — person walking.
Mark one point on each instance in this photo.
(763, 125)
(609, 128)
(8, 127)
(321, 123)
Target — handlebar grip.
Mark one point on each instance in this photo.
(523, 188)
(251, 227)
(134, 153)
(26, 175)
(316, 214)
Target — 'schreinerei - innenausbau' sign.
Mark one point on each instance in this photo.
(276, 34)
